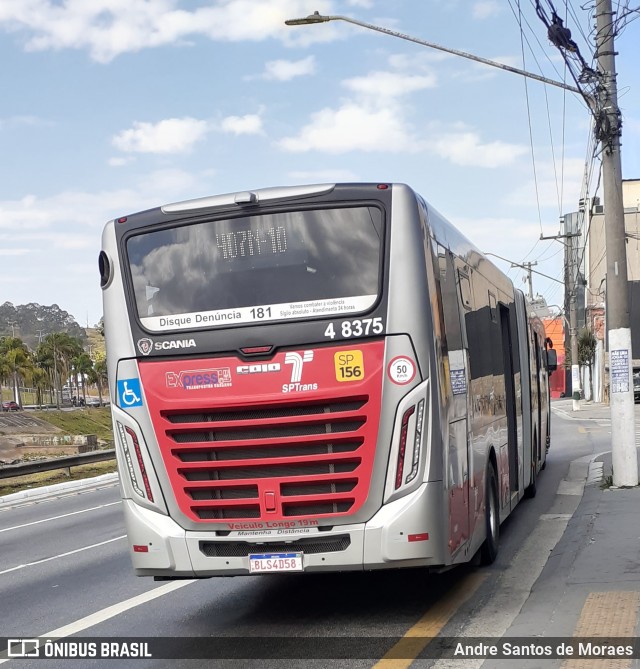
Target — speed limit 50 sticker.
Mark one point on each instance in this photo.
(401, 370)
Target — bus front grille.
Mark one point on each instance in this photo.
(286, 460)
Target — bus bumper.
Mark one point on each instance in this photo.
(404, 533)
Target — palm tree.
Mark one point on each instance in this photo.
(17, 363)
(41, 382)
(45, 362)
(59, 349)
(101, 377)
(82, 366)
(5, 371)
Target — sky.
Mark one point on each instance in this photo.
(115, 106)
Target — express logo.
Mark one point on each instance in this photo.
(145, 346)
(198, 379)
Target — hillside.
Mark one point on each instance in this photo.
(30, 322)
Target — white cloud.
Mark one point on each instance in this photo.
(465, 147)
(545, 191)
(62, 236)
(173, 135)
(365, 4)
(24, 120)
(108, 28)
(323, 176)
(352, 127)
(389, 84)
(485, 9)
(250, 124)
(285, 70)
(41, 216)
(120, 161)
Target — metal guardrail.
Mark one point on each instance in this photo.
(66, 462)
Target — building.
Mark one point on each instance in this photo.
(590, 269)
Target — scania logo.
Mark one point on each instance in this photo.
(145, 346)
(174, 343)
(260, 368)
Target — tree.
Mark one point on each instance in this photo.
(82, 366)
(586, 353)
(99, 375)
(41, 382)
(56, 351)
(16, 364)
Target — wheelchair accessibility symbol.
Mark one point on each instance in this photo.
(129, 393)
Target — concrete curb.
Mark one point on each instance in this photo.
(582, 414)
(39, 494)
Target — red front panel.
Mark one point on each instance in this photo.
(289, 439)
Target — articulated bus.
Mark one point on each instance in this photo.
(316, 378)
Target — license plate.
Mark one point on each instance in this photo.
(269, 562)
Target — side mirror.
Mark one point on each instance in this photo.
(552, 360)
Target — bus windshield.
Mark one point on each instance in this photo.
(230, 271)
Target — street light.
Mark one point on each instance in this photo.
(316, 17)
(605, 110)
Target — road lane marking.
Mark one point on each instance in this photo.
(110, 612)
(606, 614)
(56, 557)
(64, 515)
(417, 637)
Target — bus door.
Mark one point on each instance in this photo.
(456, 297)
(537, 398)
(508, 348)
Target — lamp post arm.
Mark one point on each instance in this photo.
(319, 18)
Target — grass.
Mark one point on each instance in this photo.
(18, 483)
(81, 421)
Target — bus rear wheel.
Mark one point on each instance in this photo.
(489, 549)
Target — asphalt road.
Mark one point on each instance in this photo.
(65, 572)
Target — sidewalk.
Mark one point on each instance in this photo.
(590, 585)
(588, 410)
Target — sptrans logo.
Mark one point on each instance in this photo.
(198, 379)
(297, 360)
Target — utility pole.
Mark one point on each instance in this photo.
(604, 107)
(609, 129)
(527, 266)
(571, 273)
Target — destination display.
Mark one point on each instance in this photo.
(258, 268)
(259, 247)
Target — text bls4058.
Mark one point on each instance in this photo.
(359, 327)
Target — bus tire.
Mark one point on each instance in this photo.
(489, 549)
(532, 488)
